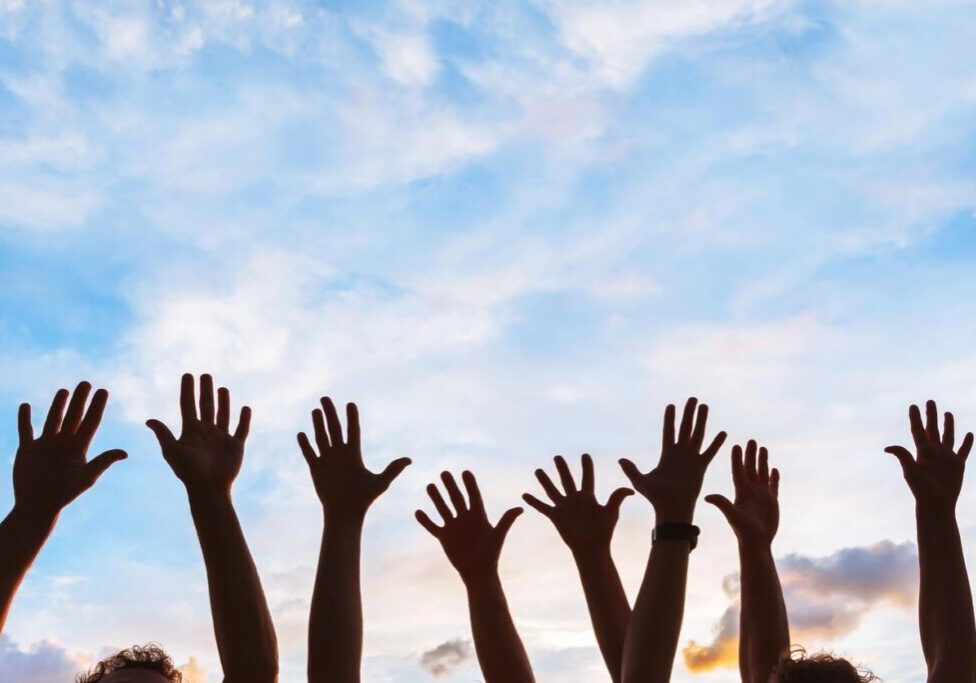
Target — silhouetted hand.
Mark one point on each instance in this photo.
(206, 457)
(673, 486)
(52, 470)
(584, 524)
(935, 473)
(469, 540)
(343, 484)
(754, 517)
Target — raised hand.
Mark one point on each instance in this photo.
(52, 470)
(49, 472)
(945, 603)
(673, 486)
(344, 485)
(582, 522)
(764, 631)
(754, 516)
(473, 546)
(469, 540)
(587, 528)
(346, 489)
(206, 457)
(935, 473)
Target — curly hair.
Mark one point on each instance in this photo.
(796, 666)
(150, 656)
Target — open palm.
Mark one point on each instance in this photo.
(582, 521)
(470, 541)
(754, 516)
(343, 483)
(53, 469)
(935, 473)
(206, 456)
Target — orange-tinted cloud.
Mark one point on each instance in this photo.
(825, 597)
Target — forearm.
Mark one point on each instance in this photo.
(764, 630)
(500, 651)
(335, 634)
(607, 604)
(22, 535)
(652, 635)
(946, 620)
(242, 623)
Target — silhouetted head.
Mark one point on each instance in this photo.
(138, 664)
(799, 667)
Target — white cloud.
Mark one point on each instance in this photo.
(41, 662)
(619, 38)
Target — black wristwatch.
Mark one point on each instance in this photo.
(676, 532)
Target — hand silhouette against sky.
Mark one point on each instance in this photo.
(343, 483)
(587, 527)
(473, 545)
(945, 602)
(673, 486)
(764, 632)
(584, 524)
(207, 457)
(50, 470)
(934, 474)
(754, 516)
(53, 469)
(346, 490)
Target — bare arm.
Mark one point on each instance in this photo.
(49, 472)
(672, 488)
(207, 458)
(587, 528)
(346, 490)
(945, 601)
(764, 633)
(473, 546)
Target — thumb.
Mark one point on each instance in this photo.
(723, 504)
(506, 522)
(631, 470)
(905, 458)
(97, 465)
(616, 499)
(163, 435)
(394, 469)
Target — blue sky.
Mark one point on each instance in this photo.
(507, 230)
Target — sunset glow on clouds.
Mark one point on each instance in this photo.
(507, 230)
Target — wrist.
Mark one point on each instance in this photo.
(591, 555)
(751, 545)
(344, 519)
(34, 516)
(937, 512)
(208, 496)
(481, 581)
(671, 514)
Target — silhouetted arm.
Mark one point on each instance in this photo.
(672, 488)
(945, 601)
(587, 528)
(473, 547)
(49, 472)
(207, 459)
(346, 489)
(764, 633)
